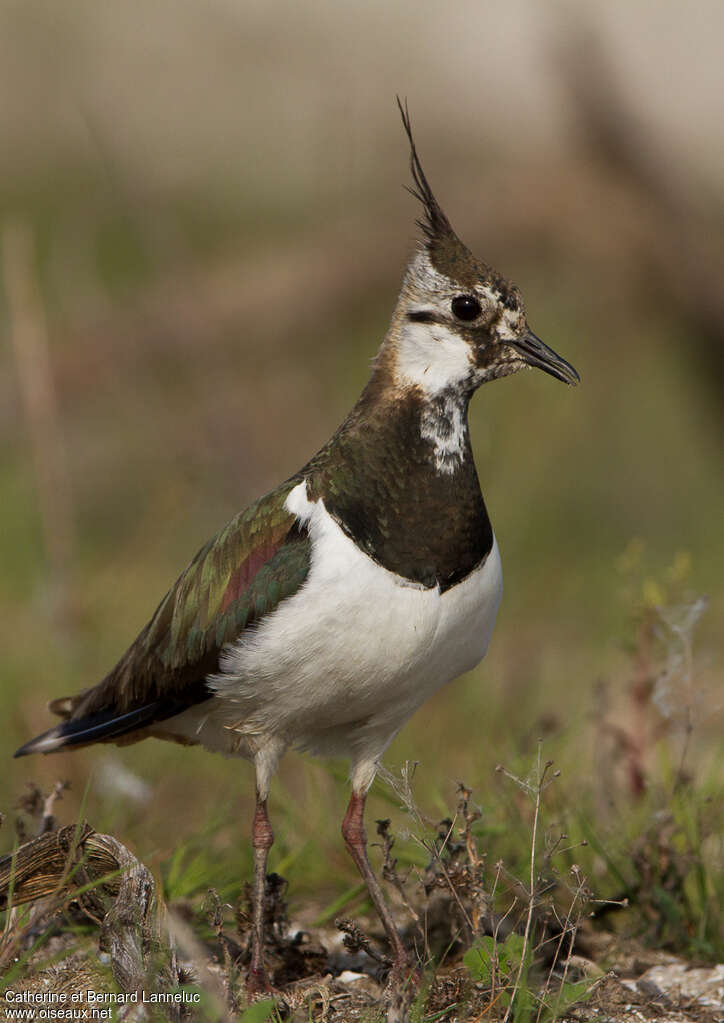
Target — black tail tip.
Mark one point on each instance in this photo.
(26, 749)
(49, 742)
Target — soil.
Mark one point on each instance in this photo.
(632, 984)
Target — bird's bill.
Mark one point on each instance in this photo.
(538, 354)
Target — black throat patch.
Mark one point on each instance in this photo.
(418, 514)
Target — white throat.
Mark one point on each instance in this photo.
(431, 357)
(437, 362)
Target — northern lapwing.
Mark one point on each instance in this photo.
(324, 614)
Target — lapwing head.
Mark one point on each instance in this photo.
(458, 322)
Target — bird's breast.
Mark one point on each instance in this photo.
(356, 642)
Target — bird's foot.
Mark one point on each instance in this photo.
(404, 973)
(402, 986)
(258, 984)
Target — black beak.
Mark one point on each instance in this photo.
(542, 357)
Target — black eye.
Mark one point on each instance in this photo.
(466, 307)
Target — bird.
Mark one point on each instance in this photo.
(322, 616)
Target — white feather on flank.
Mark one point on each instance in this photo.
(340, 666)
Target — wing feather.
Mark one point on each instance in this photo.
(243, 573)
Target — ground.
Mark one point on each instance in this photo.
(87, 920)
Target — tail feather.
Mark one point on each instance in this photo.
(81, 731)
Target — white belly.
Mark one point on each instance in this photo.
(341, 665)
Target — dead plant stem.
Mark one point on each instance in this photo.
(541, 772)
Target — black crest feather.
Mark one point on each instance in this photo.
(434, 224)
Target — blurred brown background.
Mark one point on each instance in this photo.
(203, 234)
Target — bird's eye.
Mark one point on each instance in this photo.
(466, 307)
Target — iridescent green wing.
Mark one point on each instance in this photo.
(260, 558)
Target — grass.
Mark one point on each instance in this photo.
(658, 846)
(514, 903)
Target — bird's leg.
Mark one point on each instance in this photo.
(262, 839)
(355, 838)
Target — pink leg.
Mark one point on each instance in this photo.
(355, 838)
(262, 839)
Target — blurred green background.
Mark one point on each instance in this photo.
(203, 234)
